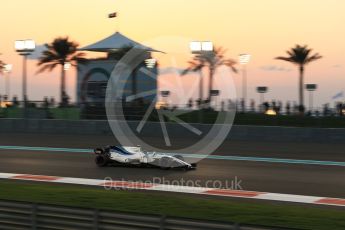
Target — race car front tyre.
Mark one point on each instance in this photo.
(101, 160)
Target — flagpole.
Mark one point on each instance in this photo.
(114, 15)
(118, 24)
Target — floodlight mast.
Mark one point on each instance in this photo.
(243, 60)
(24, 48)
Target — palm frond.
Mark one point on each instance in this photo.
(60, 51)
(231, 64)
(314, 58)
(289, 59)
(47, 67)
(185, 71)
(2, 67)
(212, 59)
(300, 55)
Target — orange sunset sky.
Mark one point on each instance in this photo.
(264, 29)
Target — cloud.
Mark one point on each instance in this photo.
(275, 68)
(38, 52)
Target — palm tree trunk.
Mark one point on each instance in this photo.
(301, 84)
(201, 88)
(210, 85)
(63, 84)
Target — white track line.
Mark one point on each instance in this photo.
(179, 189)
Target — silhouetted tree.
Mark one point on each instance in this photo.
(211, 60)
(59, 52)
(300, 56)
(197, 66)
(2, 67)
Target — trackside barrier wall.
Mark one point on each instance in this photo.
(238, 132)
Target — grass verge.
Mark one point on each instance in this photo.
(241, 211)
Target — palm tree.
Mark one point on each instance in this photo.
(58, 53)
(196, 66)
(300, 56)
(2, 67)
(2, 70)
(211, 60)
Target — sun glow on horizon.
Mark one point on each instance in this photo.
(263, 29)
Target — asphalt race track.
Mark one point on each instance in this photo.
(300, 179)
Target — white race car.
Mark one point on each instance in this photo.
(136, 156)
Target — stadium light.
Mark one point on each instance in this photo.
(150, 63)
(7, 71)
(8, 68)
(195, 46)
(199, 46)
(206, 46)
(262, 90)
(24, 48)
(243, 60)
(311, 88)
(67, 66)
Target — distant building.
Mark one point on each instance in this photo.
(93, 77)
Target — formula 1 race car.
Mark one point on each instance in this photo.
(126, 155)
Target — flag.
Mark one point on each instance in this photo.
(338, 95)
(112, 15)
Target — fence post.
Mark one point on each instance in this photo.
(237, 226)
(96, 219)
(33, 216)
(162, 222)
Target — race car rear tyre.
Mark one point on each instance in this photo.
(165, 162)
(98, 151)
(179, 157)
(101, 160)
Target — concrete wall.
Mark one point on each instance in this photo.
(152, 129)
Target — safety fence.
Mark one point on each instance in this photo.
(135, 111)
(26, 215)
